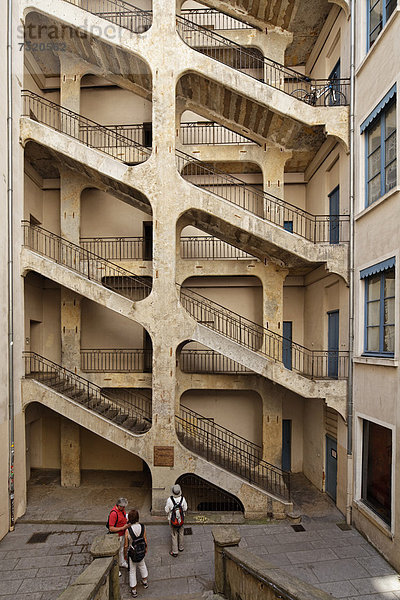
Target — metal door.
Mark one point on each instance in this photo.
(331, 467)
(333, 343)
(334, 233)
(286, 444)
(287, 345)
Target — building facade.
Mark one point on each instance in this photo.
(182, 250)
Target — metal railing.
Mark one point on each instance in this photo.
(315, 364)
(118, 12)
(134, 133)
(213, 134)
(209, 361)
(116, 360)
(210, 248)
(213, 19)
(85, 263)
(84, 130)
(230, 451)
(115, 248)
(317, 92)
(126, 408)
(315, 228)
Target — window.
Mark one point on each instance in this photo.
(379, 12)
(376, 483)
(381, 154)
(379, 308)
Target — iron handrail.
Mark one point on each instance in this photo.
(116, 360)
(83, 391)
(210, 248)
(84, 262)
(119, 12)
(211, 133)
(315, 364)
(210, 361)
(116, 248)
(315, 228)
(84, 130)
(226, 435)
(259, 67)
(232, 458)
(219, 20)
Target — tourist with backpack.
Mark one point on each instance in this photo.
(117, 523)
(135, 548)
(175, 508)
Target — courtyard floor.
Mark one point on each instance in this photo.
(341, 562)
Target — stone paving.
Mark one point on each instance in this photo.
(340, 562)
(337, 561)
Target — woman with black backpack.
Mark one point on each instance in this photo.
(135, 549)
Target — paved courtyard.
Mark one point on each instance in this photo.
(341, 562)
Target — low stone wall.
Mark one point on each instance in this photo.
(100, 580)
(240, 575)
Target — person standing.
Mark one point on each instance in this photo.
(175, 508)
(118, 523)
(135, 548)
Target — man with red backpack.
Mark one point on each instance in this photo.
(175, 508)
(118, 523)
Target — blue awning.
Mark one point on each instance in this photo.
(378, 268)
(384, 102)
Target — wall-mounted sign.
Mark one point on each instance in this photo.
(333, 453)
(163, 456)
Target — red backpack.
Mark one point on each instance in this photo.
(177, 516)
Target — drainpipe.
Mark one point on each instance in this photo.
(349, 499)
(10, 267)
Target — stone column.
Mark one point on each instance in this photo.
(71, 186)
(224, 537)
(70, 454)
(272, 424)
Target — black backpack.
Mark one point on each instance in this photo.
(177, 516)
(137, 549)
(108, 520)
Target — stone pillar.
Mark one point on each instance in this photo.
(70, 330)
(70, 454)
(272, 425)
(272, 162)
(102, 547)
(71, 186)
(224, 537)
(272, 277)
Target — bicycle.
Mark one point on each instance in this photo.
(332, 96)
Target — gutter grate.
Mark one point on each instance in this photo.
(187, 531)
(39, 538)
(297, 527)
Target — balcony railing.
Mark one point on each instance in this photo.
(85, 263)
(84, 130)
(210, 248)
(230, 451)
(210, 133)
(115, 248)
(314, 364)
(127, 408)
(315, 228)
(209, 361)
(318, 92)
(213, 19)
(118, 12)
(116, 360)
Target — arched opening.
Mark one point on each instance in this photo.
(203, 496)
(69, 465)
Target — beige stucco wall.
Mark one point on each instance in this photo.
(102, 328)
(238, 411)
(96, 452)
